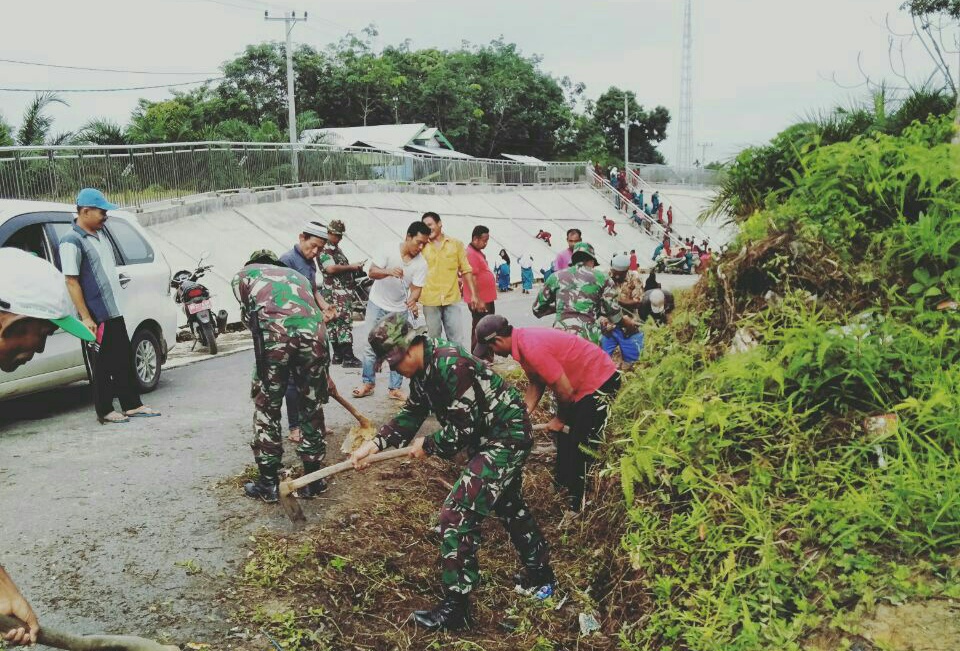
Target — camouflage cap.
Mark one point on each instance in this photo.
(582, 251)
(263, 256)
(391, 337)
(336, 227)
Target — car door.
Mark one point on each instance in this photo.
(144, 279)
(62, 358)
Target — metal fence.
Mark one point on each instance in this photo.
(665, 174)
(140, 174)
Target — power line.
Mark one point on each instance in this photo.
(133, 72)
(106, 90)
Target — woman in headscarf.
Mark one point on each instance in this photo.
(503, 272)
(526, 272)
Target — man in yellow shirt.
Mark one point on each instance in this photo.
(446, 263)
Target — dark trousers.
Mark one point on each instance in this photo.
(113, 373)
(586, 420)
(476, 319)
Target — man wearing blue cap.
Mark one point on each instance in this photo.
(87, 261)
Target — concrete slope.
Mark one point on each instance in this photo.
(377, 217)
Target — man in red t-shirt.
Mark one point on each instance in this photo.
(634, 265)
(545, 236)
(611, 225)
(483, 278)
(670, 215)
(583, 379)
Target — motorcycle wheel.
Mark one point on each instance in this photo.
(208, 337)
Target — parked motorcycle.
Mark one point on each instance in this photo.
(676, 265)
(361, 294)
(197, 306)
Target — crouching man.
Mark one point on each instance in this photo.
(583, 379)
(279, 308)
(479, 411)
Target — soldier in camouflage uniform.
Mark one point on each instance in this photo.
(479, 411)
(579, 296)
(338, 287)
(278, 306)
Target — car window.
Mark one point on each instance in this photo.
(30, 239)
(59, 230)
(133, 248)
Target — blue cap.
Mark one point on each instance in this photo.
(93, 198)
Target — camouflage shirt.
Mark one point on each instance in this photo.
(476, 408)
(579, 296)
(332, 254)
(281, 297)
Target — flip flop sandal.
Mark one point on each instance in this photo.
(152, 413)
(110, 419)
(364, 391)
(396, 394)
(295, 438)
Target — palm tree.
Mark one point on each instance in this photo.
(101, 131)
(37, 123)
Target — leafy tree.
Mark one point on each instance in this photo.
(6, 133)
(646, 127)
(924, 7)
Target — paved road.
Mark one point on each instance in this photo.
(104, 525)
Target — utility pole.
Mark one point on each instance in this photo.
(289, 21)
(704, 146)
(626, 137)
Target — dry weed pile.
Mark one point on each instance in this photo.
(352, 583)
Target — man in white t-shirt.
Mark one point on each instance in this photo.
(399, 274)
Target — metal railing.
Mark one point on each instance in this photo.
(648, 224)
(665, 174)
(135, 175)
(635, 182)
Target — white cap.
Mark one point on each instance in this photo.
(316, 229)
(621, 262)
(31, 286)
(657, 301)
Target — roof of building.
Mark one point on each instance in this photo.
(437, 151)
(390, 137)
(520, 158)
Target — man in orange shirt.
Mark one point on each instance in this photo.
(446, 262)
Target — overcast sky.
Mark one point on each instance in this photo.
(758, 64)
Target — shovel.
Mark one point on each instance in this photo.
(62, 640)
(362, 431)
(289, 503)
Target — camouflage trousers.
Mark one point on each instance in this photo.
(340, 327)
(307, 360)
(491, 482)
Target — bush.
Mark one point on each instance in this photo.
(761, 507)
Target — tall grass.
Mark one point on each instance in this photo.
(760, 506)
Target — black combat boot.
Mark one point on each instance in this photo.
(349, 359)
(315, 488)
(537, 582)
(451, 614)
(337, 357)
(265, 488)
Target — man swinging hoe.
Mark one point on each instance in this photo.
(479, 411)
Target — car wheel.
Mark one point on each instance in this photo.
(146, 360)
